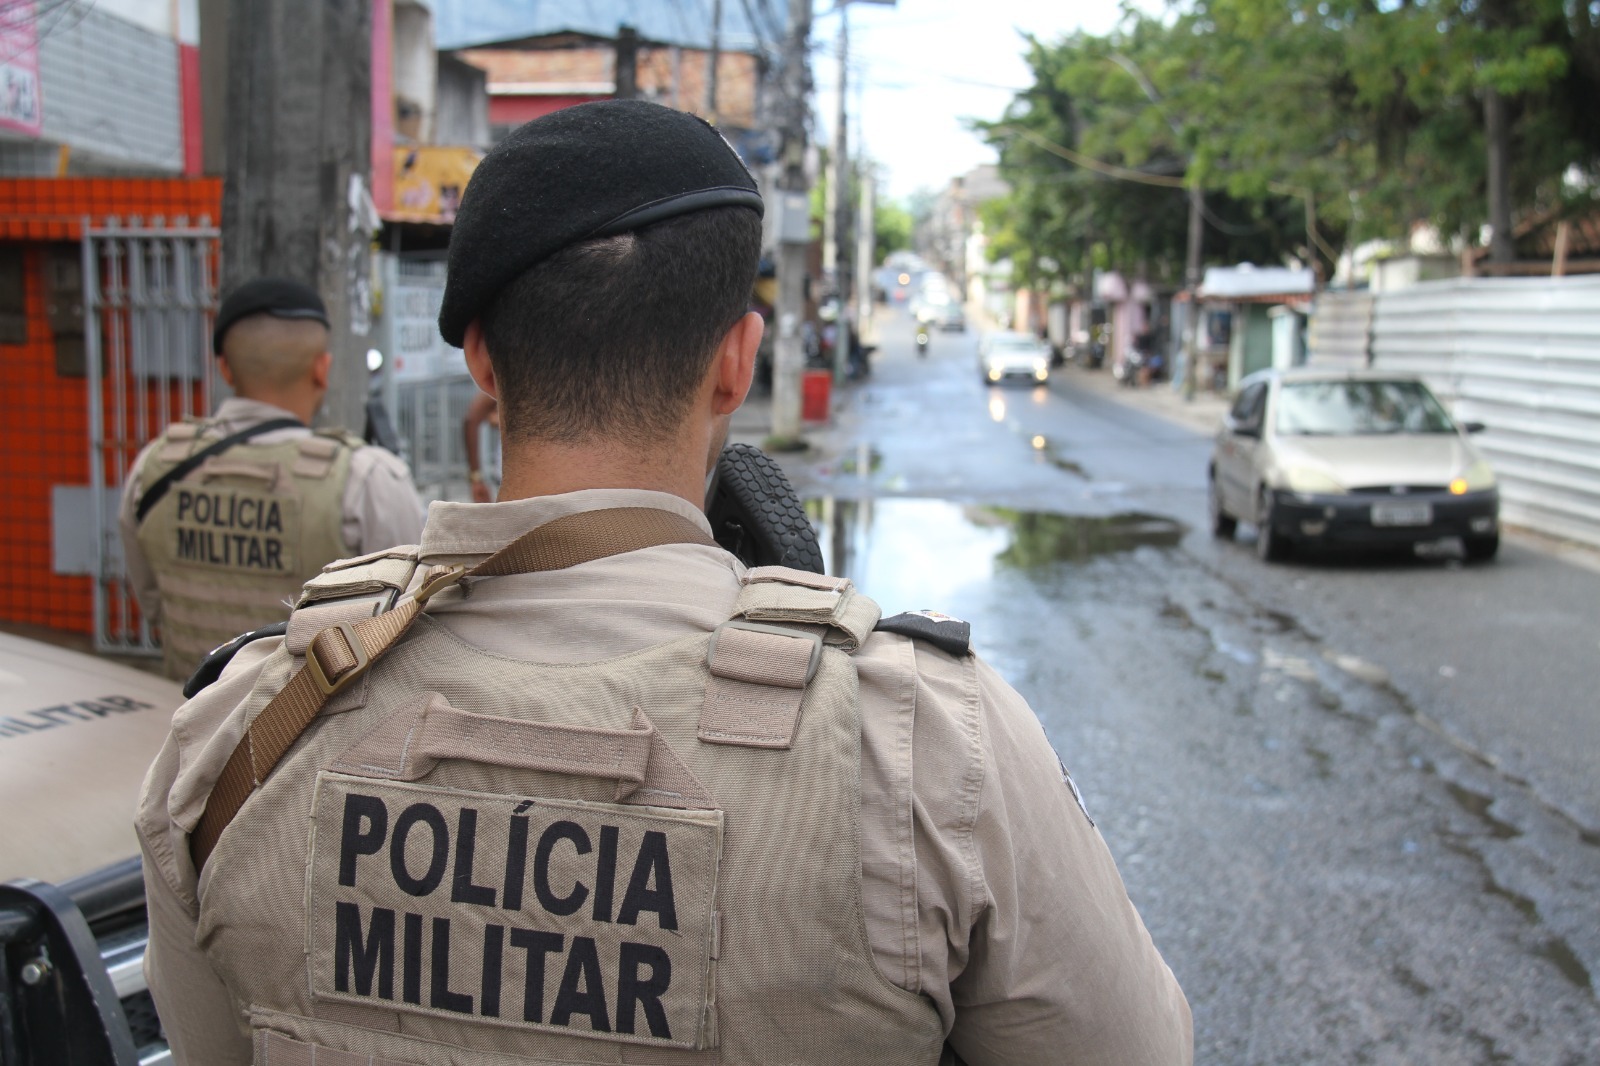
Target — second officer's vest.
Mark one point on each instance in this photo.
(232, 543)
(653, 858)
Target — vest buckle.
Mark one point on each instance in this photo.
(437, 582)
(319, 673)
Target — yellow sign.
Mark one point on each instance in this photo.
(428, 182)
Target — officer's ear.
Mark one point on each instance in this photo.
(735, 363)
(226, 371)
(479, 364)
(321, 370)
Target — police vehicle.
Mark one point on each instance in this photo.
(76, 736)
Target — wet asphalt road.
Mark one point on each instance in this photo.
(1354, 799)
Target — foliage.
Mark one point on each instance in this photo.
(891, 224)
(1308, 123)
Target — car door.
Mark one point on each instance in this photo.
(1237, 447)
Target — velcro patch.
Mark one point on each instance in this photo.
(586, 919)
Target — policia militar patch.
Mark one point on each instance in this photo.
(235, 529)
(588, 919)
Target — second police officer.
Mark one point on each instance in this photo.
(224, 518)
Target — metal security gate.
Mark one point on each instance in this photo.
(424, 383)
(150, 295)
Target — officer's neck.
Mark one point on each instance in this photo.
(301, 403)
(541, 468)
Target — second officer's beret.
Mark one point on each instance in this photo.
(593, 170)
(278, 297)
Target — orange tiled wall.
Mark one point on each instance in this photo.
(44, 418)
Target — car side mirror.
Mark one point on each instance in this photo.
(1474, 427)
(1250, 429)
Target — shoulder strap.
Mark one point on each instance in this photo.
(344, 652)
(153, 494)
(779, 594)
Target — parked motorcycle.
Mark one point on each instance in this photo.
(1127, 371)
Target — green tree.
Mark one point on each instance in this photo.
(1309, 123)
(891, 224)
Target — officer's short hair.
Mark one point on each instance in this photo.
(265, 351)
(611, 337)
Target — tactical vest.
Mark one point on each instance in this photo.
(232, 543)
(652, 858)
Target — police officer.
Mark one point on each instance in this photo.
(586, 788)
(224, 518)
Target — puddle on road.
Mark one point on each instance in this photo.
(1039, 538)
(866, 460)
(1477, 804)
(1322, 762)
(1052, 455)
(930, 548)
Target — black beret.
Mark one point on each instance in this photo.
(592, 170)
(278, 297)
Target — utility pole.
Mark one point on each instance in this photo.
(712, 60)
(837, 206)
(295, 197)
(1496, 128)
(836, 220)
(627, 72)
(1191, 280)
(1191, 272)
(793, 229)
(866, 243)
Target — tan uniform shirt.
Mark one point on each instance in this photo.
(381, 506)
(985, 886)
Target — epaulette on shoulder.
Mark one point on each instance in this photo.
(943, 632)
(217, 659)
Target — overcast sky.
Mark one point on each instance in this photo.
(922, 65)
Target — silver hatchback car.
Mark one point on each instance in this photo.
(1349, 457)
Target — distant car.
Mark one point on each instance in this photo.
(77, 734)
(1353, 458)
(952, 318)
(942, 311)
(1011, 356)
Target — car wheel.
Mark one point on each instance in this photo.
(1481, 549)
(1223, 524)
(1271, 546)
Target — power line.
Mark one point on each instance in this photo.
(1110, 170)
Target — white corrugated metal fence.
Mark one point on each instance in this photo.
(1522, 356)
(1341, 329)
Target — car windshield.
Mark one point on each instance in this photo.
(1358, 408)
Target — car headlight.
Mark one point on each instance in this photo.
(1478, 478)
(1309, 481)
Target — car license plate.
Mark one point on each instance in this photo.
(1402, 514)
